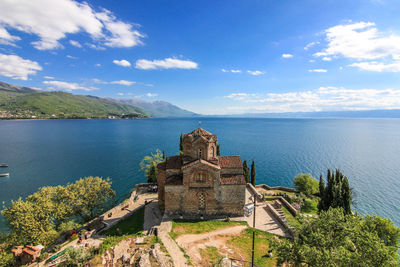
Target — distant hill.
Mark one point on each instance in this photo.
(157, 108)
(384, 113)
(22, 102)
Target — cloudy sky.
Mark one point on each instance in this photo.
(211, 57)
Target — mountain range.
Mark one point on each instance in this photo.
(18, 102)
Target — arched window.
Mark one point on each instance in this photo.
(212, 152)
(200, 177)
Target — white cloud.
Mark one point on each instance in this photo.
(377, 66)
(151, 94)
(95, 47)
(6, 38)
(52, 20)
(71, 57)
(318, 70)
(233, 71)
(123, 82)
(97, 65)
(360, 41)
(311, 60)
(256, 72)
(122, 62)
(168, 63)
(17, 68)
(75, 43)
(322, 99)
(309, 45)
(287, 55)
(326, 59)
(120, 94)
(48, 77)
(67, 86)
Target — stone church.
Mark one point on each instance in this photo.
(200, 183)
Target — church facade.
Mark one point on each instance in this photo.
(199, 182)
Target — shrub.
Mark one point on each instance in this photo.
(306, 184)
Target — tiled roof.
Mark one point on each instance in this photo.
(174, 162)
(29, 251)
(201, 161)
(200, 131)
(237, 179)
(230, 162)
(174, 180)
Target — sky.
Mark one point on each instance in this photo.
(210, 57)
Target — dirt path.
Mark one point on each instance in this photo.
(176, 254)
(185, 239)
(152, 216)
(193, 243)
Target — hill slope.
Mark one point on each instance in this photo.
(21, 102)
(157, 108)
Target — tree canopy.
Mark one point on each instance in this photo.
(41, 217)
(246, 171)
(336, 193)
(339, 239)
(149, 165)
(306, 184)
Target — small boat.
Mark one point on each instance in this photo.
(3, 165)
(4, 174)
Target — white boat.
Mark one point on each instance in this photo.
(4, 174)
(3, 165)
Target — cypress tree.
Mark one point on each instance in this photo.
(329, 190)
(152, 174)
(253, 173)
(163, 155)
(346, 195)
(181, 144)
(218, 150)
(321, 203)
(246, 171)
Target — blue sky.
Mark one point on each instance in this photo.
(211, 57)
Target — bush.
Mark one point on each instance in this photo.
(306, 184)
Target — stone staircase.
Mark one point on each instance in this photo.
(280, 212)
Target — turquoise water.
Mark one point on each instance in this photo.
(54, 152)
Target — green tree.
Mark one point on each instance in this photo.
(218, 150)
(335, 239)
(149, 165)
(77, 256)
(90, 196)
(181, 144)
(246, 171)
(253, 173)
(384, 228)
(306, 184)
(321, 193)
(337, 192)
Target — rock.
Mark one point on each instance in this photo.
(144, 260)
(160, 256)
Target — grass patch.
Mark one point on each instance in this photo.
(210, 256)
(109, 242)
(310, 206)
(242, 244)
(291, 220)
(132, 225)
(180, 227)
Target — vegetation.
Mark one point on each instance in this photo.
(149, 165)
(309, 206)
(181, 144)
(21, 102)
(339, 239)
(77, 257)
(44, 215)
(242, 245)
(132, 225)
(253, 173)
(180, 227)
(337, 192)
(210, 256)
(246, 171)
(306, 184)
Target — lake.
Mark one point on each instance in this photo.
(57, 152)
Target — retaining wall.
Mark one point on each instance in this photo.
(279, 218)
(283, 188)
